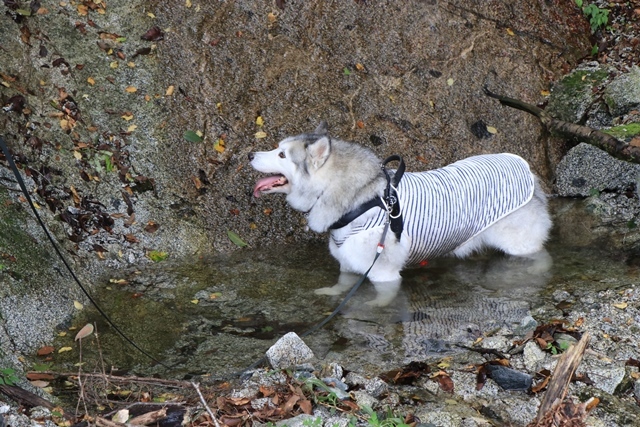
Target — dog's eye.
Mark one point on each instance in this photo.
(282, 155)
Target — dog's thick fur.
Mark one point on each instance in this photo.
(327, 178)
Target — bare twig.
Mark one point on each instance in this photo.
(204, 402)
(613, 146)
(130, 379)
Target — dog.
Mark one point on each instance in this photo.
(485, 201)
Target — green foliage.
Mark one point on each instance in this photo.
(391, 420)
(316, 422)
(8, 376)
(557, 348)
(598, 18)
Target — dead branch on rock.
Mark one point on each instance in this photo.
(555, 410)
(618, 149)
(24, 397)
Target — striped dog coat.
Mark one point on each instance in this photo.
(444, 208)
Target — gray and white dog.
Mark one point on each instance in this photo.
(483, 201)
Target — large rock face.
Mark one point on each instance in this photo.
(96, 116)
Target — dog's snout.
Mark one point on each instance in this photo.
(251, 156)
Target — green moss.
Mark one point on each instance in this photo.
(625, 131)
(584, 79)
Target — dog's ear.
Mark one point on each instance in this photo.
(319, 152)
(322, 129)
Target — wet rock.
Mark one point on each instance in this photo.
(509, 379)
(289, 351)
(533, 356)
(623, 93)
(586, 170)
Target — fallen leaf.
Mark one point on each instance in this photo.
(77, 155)
(127, 116)
(260, 135)
(39, 383)
(259, 121)
(545, 93)
(235, 239)
(78, 305)
(510, 32)
(64, 349)
(113, 64)
(450, 81)
(359, 67)
(170, 90)
(122, 416)
(192, 136)
(84, 332)
(620, 305)
(131, 89)
(492, 130)
(195, 301)
(151, 227)
(43, 351)
(635, 142)
(91, 81)
(219, 145)
(157, 256)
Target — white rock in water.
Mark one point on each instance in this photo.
(288, 351)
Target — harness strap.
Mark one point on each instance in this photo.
(389, 202)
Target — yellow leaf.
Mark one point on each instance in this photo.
(82, 10)
(131, 89)
(62, 334)
(131, 64)
(545, 93)
(113, 64)
(492, 130)
(450, 81)
(78, 305)
(132, 128)
(77, 155)
(219, 107)
(84, 332)
(151, 15)
(127, 116)
(187, 3)
(170, 90)
(510, 32)
(195, 301)
(260, 135)
(91, 81)
(64, 349)
(219, 146)
(259, 121)
(620, 305)
(359, 67)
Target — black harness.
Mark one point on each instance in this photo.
(389, 201)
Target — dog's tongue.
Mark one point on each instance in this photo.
(266, 183)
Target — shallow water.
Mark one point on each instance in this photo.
(217, 316)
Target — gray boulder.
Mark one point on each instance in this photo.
(587, 170)
(289, 351)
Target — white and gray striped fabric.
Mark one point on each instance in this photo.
(444, 208)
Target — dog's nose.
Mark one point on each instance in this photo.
(251, 156)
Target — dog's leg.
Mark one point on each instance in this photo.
(345, 282)
(387, 292)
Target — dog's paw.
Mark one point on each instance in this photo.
(379, 302)
(328, 291)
